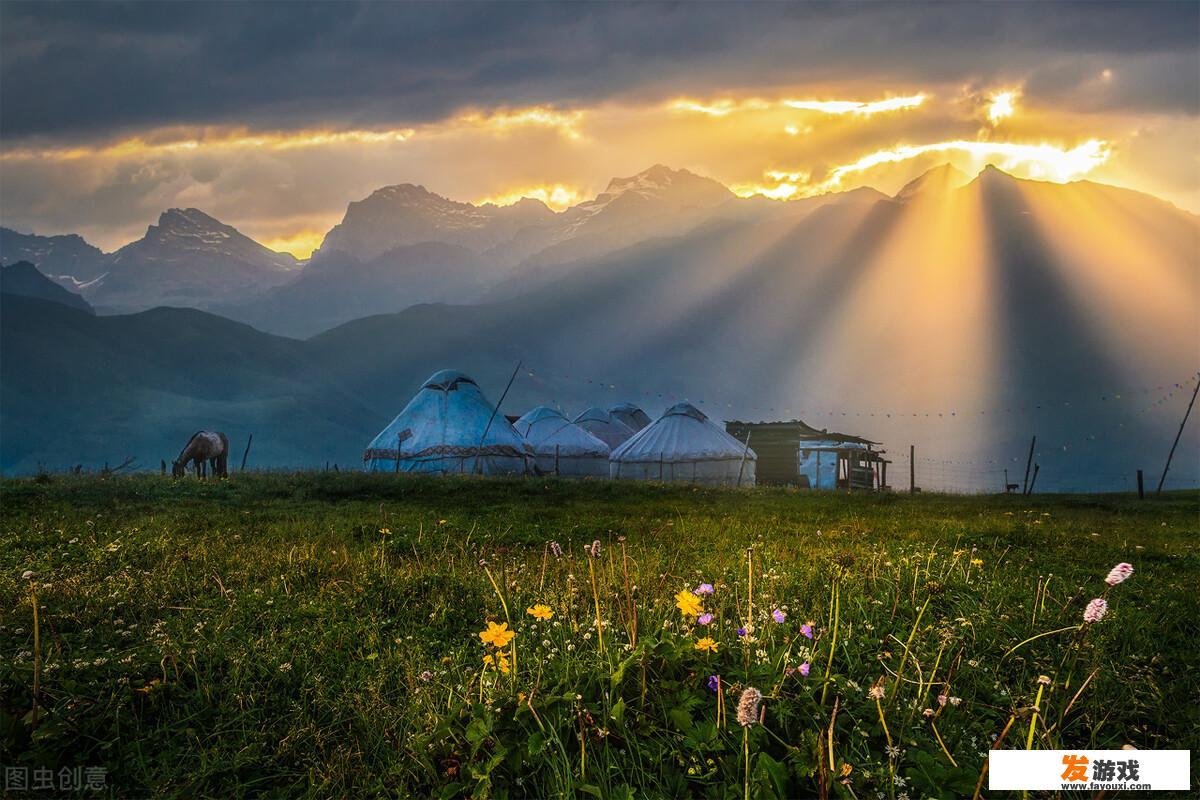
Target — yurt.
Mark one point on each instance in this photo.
(631, 415)
(448, 427)
(604, 426)
(560, 447)
(684, 445)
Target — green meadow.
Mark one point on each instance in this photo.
(318, 635)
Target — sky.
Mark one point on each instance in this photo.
(274, 116)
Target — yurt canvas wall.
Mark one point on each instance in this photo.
(560, 447)
(684, 445)
(448, 427)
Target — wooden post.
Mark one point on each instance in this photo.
(1177, 435)
(556, 461)
(1141, 487)
(1006, 480)
(246, 453)
(912, 469)
(742, 463)
(1033, 480)
(1028, 462)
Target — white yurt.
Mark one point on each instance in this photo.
(560, 447)
(449, 427)
(631, 415)
(684, 445)
(604, 426)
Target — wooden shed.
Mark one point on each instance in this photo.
(796, 454)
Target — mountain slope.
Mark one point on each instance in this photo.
(189, 259)
(23, 279)
(75, 388)
(62, 257)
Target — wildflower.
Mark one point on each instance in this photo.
(976, 562)
(500, 660)
(741, 631)
(539, 611)
(1095, 610)
(941, 698)
(285, 667)
(594, 550)
(703, 589)
(807, 629)
(714, 682)
(876, 692)
(426, 676)
(955, 701)
(688, 604)
(497, 635)
(707, 645)
(747, 710)
(386, 531)
(778, 616)
(1043, 680)
(556, 549)
(27, 575)
(705, 619)
(804, 668)
(1119, 574)
(899, 779)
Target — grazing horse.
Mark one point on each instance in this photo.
(205, 447)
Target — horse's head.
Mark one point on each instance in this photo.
(178, 469)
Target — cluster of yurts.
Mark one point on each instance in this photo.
(450, 427)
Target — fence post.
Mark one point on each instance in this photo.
(912, 469)
(1141, 487)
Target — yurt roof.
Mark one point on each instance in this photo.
(447, 417)
(629, 412)
(547, 430)
(682, 433)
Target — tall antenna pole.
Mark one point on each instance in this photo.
(1177, 435)
(494, 412)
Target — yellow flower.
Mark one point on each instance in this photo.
(688, 604)
(707, 645)
(847, 769)
(497, 635)
(539, 611)
(977, 562)
(500, 661)
(386, 531)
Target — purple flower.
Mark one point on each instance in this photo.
(741, 631)
(778, 615)
(714, 682)
(1119, 574)
(806, 629)
(705, 619)
(804, 669)
(704, 588)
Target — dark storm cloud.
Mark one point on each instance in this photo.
(95, 68)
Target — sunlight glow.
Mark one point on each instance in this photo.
(725, 106)
(855, 107)
(565, 122)
(301, 244)
(1002, 105)
(557, 196)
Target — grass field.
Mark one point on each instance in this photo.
(319, 635)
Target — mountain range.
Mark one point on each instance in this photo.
(961, 314)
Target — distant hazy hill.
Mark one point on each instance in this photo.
(24, 280)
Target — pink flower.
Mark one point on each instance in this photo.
(778, 616)
(703, 589)
(1095, 610)
(804, 669)
(806, 629)
(705, 619)
(1119, 573)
